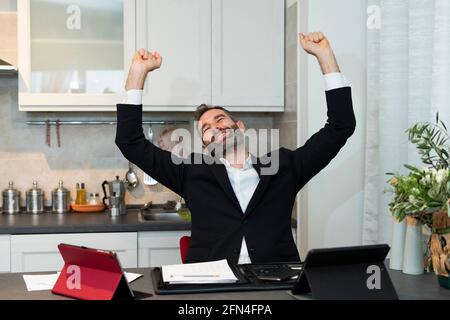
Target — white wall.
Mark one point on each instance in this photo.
(8, 5)
(331, 205)
(290, 3)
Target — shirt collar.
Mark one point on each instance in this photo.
(247, 164)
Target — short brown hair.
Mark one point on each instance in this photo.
(202, 109)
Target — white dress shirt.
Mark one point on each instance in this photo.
(244, 181)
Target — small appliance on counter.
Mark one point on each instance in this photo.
(116, 206)
(11, 200)
(116, 196)
(60, 199)
(35, 200)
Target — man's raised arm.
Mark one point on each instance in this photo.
(130, 137)
(323, 146)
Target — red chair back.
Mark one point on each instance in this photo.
(184, 246)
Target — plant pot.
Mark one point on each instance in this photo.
(413, 257)
(398, 245)
(444, 282)
(440, 248)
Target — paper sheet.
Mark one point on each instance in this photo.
(40, 282)
(47, 281)
(201, 273)
(132, 276)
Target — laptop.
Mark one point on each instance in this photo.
(349, 273)
(91, 274)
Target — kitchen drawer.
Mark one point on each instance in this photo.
(34, 253)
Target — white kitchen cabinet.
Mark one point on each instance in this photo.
(39, 252)
(159, 248)
(73, 54)
(248, 54)
(228, 53)
(181, 31)
(35, 253)
(5, 253)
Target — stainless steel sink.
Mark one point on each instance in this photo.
(150, 213)
(166, 216)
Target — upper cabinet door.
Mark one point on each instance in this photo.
(72, 53)
(248, 54)
(180, 30)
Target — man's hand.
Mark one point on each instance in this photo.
(143, 63)
(318, 45)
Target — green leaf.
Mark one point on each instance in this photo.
(412, 168)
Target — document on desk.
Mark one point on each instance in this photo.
(40, 282)
(199, 273)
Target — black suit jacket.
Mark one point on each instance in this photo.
(218, 223)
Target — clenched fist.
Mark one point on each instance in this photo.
(317, 44)
(143, 63)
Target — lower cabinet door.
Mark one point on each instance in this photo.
(159, 248)
(36, 253)
(5, 253)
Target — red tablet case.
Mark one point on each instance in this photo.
(100, 275)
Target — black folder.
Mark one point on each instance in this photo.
(247, 281)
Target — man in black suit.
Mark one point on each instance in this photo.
(239, 212)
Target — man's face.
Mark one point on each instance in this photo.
(216, 127)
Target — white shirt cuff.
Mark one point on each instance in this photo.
(134, 97)
(335, 80)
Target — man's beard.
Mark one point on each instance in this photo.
(231, 143)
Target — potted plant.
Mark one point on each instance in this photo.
(422, 194)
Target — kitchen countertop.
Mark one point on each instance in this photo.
(407, 287)
(84, 223)
(87, 223)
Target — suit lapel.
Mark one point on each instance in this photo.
(260, 189)
(220, 172)
(221, 175)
